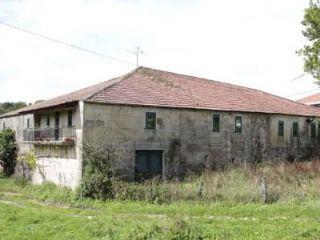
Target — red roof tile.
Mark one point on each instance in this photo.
(150, 87)
(310, 100)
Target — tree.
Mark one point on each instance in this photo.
(11, 106)
(311, 52)
(8, 151)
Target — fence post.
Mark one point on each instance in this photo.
(200, 189)
(264, 190)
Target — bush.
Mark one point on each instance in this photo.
(8, 151)
(100, 171)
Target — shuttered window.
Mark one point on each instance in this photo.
(295, 129)
(281, 128)
(151, 120)
(238, 124)
(216, 122)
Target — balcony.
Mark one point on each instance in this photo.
(59, 136)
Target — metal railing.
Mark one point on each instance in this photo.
(49, 134)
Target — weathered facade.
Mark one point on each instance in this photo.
(187, 139)
(169, 125)
(56, 146)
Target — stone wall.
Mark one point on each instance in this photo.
(188, 141)
(56, 162)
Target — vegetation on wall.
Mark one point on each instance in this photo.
(11, 106)
(311, 51)
(30, 159)
(8, 151)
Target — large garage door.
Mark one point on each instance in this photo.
(148, 164)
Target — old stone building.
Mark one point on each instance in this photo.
(168, 124)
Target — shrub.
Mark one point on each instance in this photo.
(100, 171)
(8, 151)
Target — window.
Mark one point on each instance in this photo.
(48, 121)
(216, 122)
(3, 126)
(319, 129)
(238, 124)
(70, 118)
(281, 128)
(150, 120)
(295, 129)
(28, 123)
(313, 130)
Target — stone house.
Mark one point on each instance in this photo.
(169, 124)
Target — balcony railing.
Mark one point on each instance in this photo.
(49, 134)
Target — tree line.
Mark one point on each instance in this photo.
(11, 106)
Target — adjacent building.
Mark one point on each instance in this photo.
(312, 100)
(169, 125)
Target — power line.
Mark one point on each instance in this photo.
(296, 78)
(65, 43)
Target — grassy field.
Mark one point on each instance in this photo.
(45, 212)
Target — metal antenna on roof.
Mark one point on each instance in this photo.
(137, 53)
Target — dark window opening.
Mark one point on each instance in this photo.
(313, 130)
(295, 129)
(28, 123)
(238, 124)
(3, 126)
(148, 164)
(319, 129)
(281, 128)
(150, 120)
(48, 121)
(56, 125)
(216, 122)
(70, 121)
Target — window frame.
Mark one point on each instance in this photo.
(216, 116)
(281, 126)
(236, 128)
(295, 131)
(154, 117)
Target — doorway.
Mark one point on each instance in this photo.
(148, 164)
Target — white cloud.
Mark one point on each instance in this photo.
(249, 42)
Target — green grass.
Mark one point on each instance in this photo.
(46, 212)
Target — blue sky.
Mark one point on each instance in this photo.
(249, 42)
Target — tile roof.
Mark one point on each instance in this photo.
(75, 96)
(310, 100)
(150, 87)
